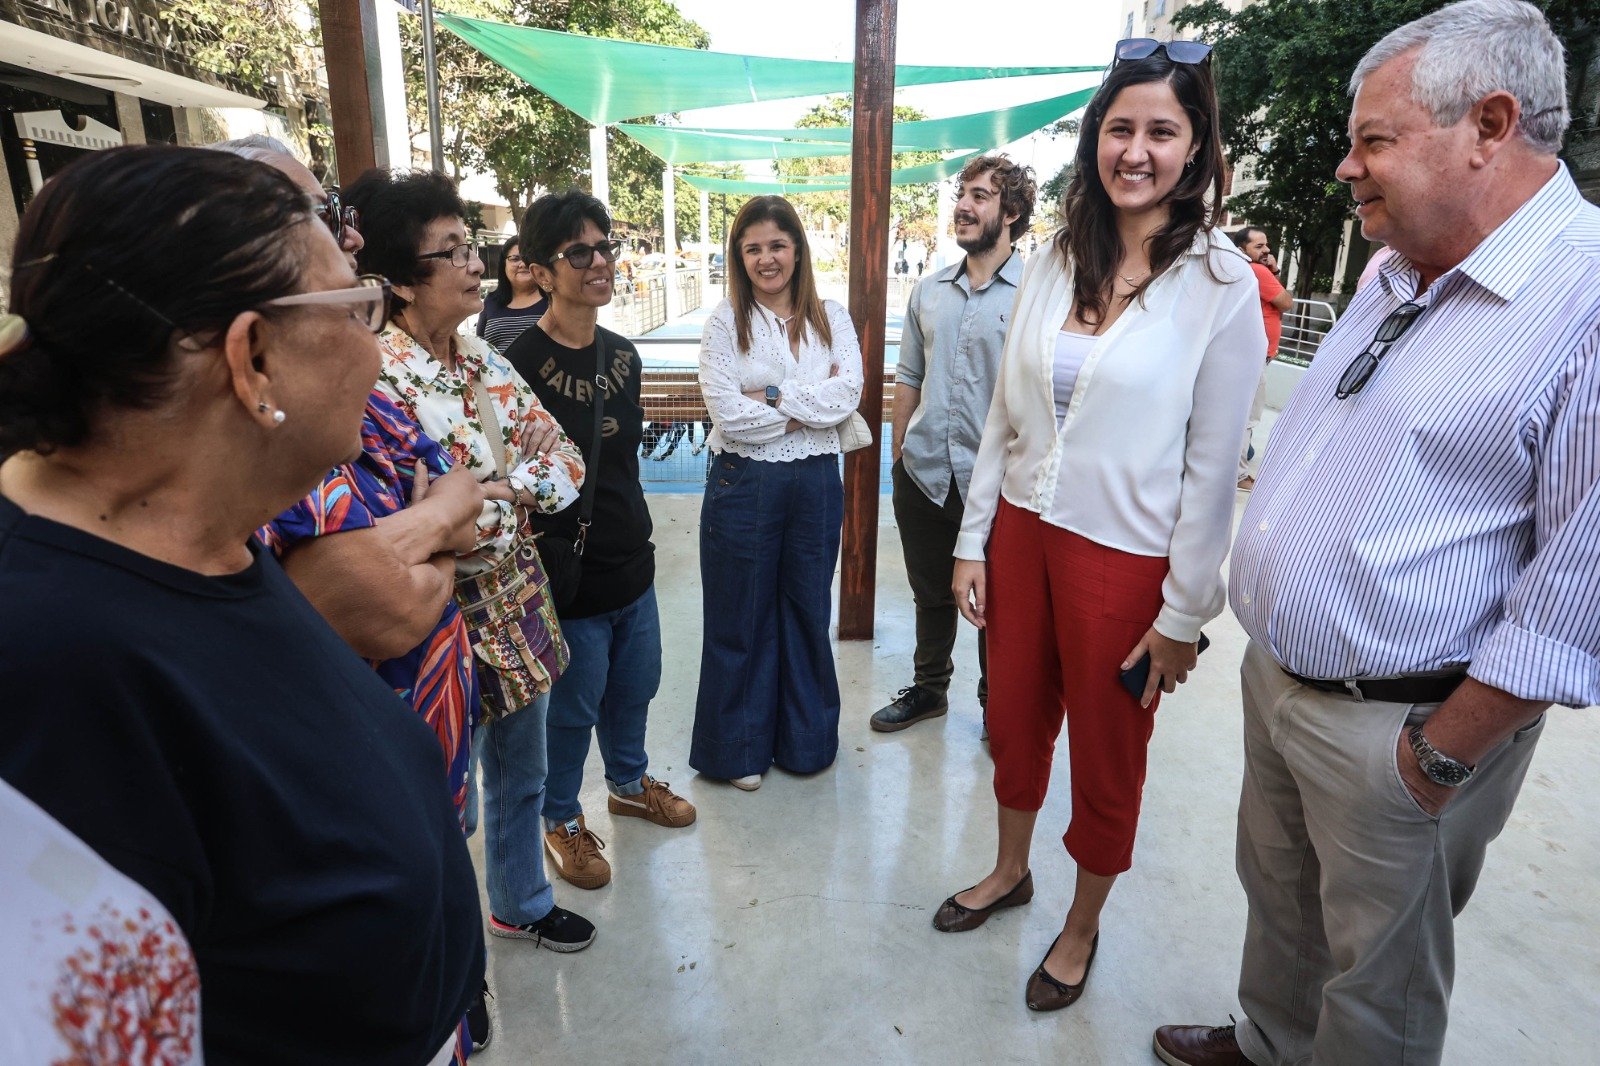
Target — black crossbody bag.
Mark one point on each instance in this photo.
(562, 556)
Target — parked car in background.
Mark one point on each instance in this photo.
(719, 268)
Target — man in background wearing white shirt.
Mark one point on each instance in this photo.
(1419, 566)
(955, 327)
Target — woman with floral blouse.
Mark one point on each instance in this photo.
(780, 369)
(417, 236)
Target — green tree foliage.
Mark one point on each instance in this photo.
(909, 202)
(253, 40)
(1283, 67)
(496, 123)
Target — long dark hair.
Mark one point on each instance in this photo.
(1089, 240)
(197, 238)
(502, 293)
(807, 305)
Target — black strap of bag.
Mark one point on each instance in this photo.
(591, 477)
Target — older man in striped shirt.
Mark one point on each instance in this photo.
(1419, 567)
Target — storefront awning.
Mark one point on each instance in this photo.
(47, 54)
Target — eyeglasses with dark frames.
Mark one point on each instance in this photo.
(581, 256)
(1191, 52)
(1363, 366)
(459, 256)
(372, 291)
(336, 216)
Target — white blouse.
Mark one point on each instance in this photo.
(1146, 458)
(820, 388)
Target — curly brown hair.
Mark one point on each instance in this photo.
(1015, 183)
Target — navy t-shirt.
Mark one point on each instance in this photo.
(214, 740)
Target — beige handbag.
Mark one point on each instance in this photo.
(854, 433)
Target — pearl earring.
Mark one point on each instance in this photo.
(278, 417)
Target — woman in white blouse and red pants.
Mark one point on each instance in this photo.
(1102, 496)
(780, 369)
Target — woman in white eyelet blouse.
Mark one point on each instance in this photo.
(780, 369)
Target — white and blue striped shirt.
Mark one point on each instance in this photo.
(1449, 512)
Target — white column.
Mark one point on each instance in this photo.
(30, 158)
(1342, 260)
(599, 170)
(669, 239)
(393, 136)
(945, 251)
(705, 247)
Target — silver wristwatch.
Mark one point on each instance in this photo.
(1440, 768)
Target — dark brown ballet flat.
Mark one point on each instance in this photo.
(1046, 993)
(954, 918)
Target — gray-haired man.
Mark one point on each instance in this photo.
(1419, 565)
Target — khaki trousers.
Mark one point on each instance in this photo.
(1353, 889)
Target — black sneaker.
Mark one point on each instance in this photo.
(910, 706)
(478, 1023)
(560, 930)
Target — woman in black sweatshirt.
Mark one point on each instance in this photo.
(608, 608)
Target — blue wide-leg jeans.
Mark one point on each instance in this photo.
(510, 755)
(612, 674)
(769, 542)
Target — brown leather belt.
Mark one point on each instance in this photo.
(1413, 688)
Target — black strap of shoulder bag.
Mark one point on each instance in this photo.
(591, 474)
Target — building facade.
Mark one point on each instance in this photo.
(81, 75)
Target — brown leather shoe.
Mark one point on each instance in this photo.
(1199, 1045)
(1046, 993)
(657, 803)
(575, 853)
(952, 917)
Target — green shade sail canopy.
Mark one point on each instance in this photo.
(606, 80)
(987, 129)
(917, 175)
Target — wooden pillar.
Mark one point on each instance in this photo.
(870, 163)
(355, 85)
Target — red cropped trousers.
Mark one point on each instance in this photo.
(1062, 612)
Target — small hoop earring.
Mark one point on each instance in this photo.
(278, 417)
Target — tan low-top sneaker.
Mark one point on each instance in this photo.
(575, 851)
(657, 803)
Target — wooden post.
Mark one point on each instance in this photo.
(870, 163)
(354, 82)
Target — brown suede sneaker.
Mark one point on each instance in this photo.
(657, 803)
(575, 852)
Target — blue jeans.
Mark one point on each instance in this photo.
(769, 541)
(509, 755)
(612, 675)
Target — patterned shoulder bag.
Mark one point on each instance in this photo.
(509, 610)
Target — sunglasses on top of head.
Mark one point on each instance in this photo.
(1191, 52)
(336, 216)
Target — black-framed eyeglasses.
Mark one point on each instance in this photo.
(336, 216)
(515, 260)
(371, 292)
(581, 256)
(1191, 52)
(459, 256)
(1363, 366)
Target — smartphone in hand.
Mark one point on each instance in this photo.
(1135, 677)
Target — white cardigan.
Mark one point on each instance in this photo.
(1147, 457)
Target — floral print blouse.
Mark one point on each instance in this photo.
(441, 399)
